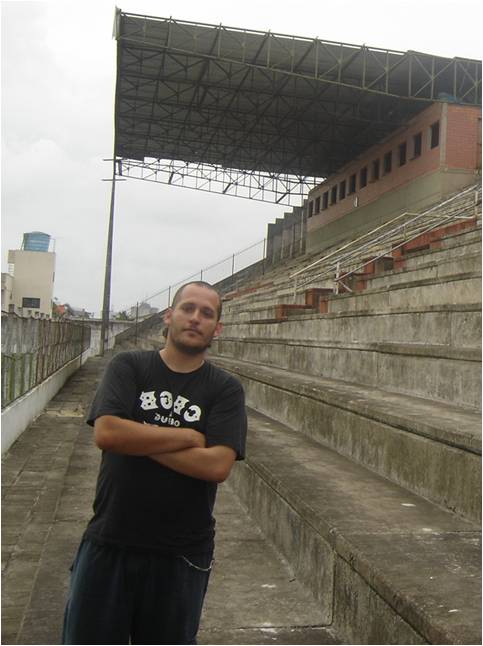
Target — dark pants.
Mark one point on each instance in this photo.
(122, 596)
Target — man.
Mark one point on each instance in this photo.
(170, 425)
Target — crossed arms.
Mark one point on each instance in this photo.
(180, 449)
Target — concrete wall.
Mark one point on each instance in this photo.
(239, 278)
(7, 285)
(33, 349)
(286, 236)
(38, 356)
(37, 359)
(115, 328)
(20, 413)
(415, 196)
(33, 277)
(142, 327)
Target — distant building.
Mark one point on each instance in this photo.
(143, 310)
(36, 241)
(66, 311)
(28, 289)
(77, 312)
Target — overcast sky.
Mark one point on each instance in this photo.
(58, 82)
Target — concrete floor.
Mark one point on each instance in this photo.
(48, 478)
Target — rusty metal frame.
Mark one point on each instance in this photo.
(274, 187)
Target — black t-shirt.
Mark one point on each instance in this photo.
(139, 502)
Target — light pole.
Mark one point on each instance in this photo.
(107, 276)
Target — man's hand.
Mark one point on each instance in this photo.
(132, 438)
(213, 464)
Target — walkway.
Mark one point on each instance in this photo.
(48, 480)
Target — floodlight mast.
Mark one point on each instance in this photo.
(106, 303)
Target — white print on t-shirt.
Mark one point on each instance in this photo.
(177, 407)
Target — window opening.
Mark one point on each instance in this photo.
(375, 170)
(342, 187)
(352, 184)
(317, 205)
(311, 208)
(333, 195)
(435, 135)
(417, 144)
(387, 162)
(325, 200)
(363, 177)
(28, 301)
(402, 154)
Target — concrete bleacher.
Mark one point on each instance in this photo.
(364, 451)
(399, 241)
(363, 463)
(48, 485)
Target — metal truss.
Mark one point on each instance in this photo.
(403, 74)
(265, 187)
(269, 105)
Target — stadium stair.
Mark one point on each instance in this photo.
(364, 450)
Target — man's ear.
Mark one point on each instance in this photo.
(218, 330)
(167, 316)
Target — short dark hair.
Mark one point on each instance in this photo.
(197, 283)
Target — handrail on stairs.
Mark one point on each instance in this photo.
(344, 254)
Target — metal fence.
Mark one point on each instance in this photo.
(33, 349)
(221, 270)
(227, 274)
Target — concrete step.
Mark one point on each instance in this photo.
(449, 240)
(280, 288)
(453, 245)
(431, 448)
(455, 290)
(386, 566)
(457, 326)
(455, 250)
(466, 236)
(143, 343)
(434, 269)
(280, 273)
(48, 483)
(431, 371)
(269, 603)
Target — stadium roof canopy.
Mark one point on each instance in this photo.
(263, 115)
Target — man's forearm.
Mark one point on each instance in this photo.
(132, 438)
(212, 464)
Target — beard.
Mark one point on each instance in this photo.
(191, 350)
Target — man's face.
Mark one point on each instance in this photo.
(193, 322)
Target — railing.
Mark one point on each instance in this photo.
(227, 274)
(33, 349)
(385, 239)
(219, 274)
(213, 274)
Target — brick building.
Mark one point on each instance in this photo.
(437, 153)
